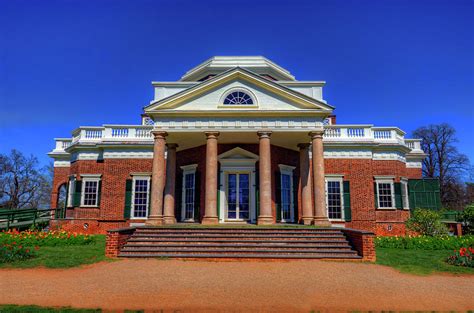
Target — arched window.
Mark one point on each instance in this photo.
(238, 98)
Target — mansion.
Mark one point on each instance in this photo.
(236, 140)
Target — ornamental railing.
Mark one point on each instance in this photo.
(142, 133)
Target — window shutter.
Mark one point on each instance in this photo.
(347, 201)
(77, 193)
(376, 196)
(99, 192)
(128, 198)
(197, 196)
(257, 193)
(424, 193)
(278, 195)
(398, 195)
(295, 196)
(218, 195)
(67, 195)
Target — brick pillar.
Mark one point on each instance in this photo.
(265, 176)
(320, 214)
(169, 205)
(157, 179)
(210, 215)
(305, 180)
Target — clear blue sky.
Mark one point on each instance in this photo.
(388, 63)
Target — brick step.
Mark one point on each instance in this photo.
(130, 246)
(241, 230)
(222, 255)
(236, 250)
(233, 241)
(219, 232)
(239, 236)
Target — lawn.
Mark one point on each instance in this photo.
(11, 308)
(419, 262)
(64, 256)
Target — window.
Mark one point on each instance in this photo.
(334, 198)
(286, 193)
(405, 199)
(385, 192)
(189, 192)
(140, 196)
(90, 192)
(238, 98)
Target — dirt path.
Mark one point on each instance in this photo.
(190, 286)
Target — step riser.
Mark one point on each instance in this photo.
(282, 249)
(241, 242)
(236, 244)
(236, 231)
(294, 237)
(248, 256)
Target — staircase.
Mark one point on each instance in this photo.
(253, 243)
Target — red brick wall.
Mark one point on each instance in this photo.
(61, 175)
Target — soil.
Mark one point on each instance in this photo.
(236, 286)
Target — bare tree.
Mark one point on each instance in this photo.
(443, 160)
(23, 184)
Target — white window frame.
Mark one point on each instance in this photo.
(405, 197)
(188, 169)
(70, 192)
(132, 207)
(241, 89)
(90, 178)
(385, 180)
(335, 178)
(287, 170)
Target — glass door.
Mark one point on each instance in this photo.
(238, 196)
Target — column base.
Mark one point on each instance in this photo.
(265, 220)
(321, 221)
(169, 220)
(308, 220)
(154, 221)
(210, 220)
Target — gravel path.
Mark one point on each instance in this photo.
(256, 286)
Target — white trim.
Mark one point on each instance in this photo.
(233, 106)
(132, 206)
(287, 170)
(141, 174)
(385, 180)
(406, 198)
(90, 178)
(187, 170)
(335, 178)
(71, 190)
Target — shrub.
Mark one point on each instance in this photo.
(426, 222)
(467, 219)
(41, 238)
(425, 242)
(15, 252)
(463, 257)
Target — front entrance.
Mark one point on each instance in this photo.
(238, 196)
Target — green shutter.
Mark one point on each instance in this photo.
(77, 194)
(197, 196)
(375, 196)
(278, 195)
(99, 192)
(128, 199)
(67, 194)
(424, 193)
(257, 194)
(398, 195)
(218, 195)
(295, 197)
(347, 201)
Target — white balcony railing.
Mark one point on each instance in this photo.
(333, 133)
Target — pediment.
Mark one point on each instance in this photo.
(237, 154)
(270, 96)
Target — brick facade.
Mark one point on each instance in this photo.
(359, 172)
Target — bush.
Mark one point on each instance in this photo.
(15, 252)
(425, 242)
(41, 238)
(426, 222)
(467, 219)
(463, 257)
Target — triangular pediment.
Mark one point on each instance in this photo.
(237, 154)
(208, 95)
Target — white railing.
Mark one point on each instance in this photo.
(358, 133)
(414, 144)
(112, 133)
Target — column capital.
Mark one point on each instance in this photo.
(159, 134)
(211, 135)
(172, 145)
(303, 146)
(264, 134)
(316, 134)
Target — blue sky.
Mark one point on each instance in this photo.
(388, 63)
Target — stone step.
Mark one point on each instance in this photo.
(241, 230)
(222, 255)
(178, 241)
(236, 249)
(130, 246)
(239, 236)
(216, 232)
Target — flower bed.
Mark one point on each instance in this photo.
(462, 257)
(41, 238)
(11, 252)
(425, 242)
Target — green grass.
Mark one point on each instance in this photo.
(419, 262)
(37, 309)
(64, 256)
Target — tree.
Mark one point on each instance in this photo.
(443, 160)
(23, 184)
